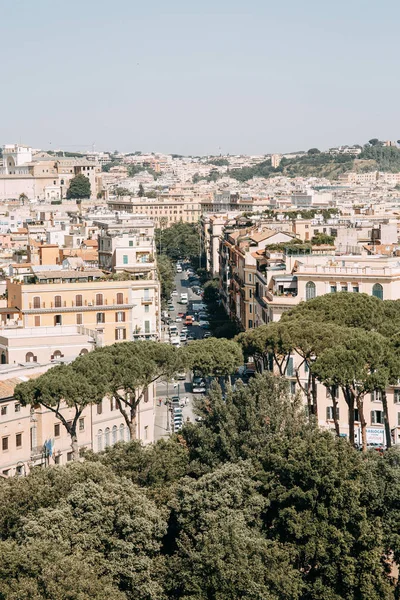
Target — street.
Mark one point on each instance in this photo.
(163, 421)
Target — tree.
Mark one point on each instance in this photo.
(130, 368)
(354, 365)
(213, 357)
(181, 240)
(218, 549)
(314, 151)
(121, 191)
(268, 345)
(166, 274)
(75, 386)
(374, 142)
(79, 187)
(141, 191)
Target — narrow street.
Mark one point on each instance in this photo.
(182, 388)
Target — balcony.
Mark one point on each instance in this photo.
(285, 298)
(147, 300)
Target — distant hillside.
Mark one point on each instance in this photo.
(321, 164)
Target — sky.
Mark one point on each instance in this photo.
(195, 78)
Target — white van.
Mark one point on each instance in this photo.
(178, 269)
(184, 298)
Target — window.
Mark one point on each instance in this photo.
(131, 243)
(3, 411)
(17, 407)
(29, 357)
(376, 396)
(329, 413)
(333, 289)
(356, 415)
(398, 419)
(4, 444)
(250, 308)
(310, 290)
(120, 298)
(120, 333)
(82, 424)
(114, 434)
(120, 317)
(99, 299)
(250, 323)
(250, 277)
(78, 300)
(99, 440)
(18, 440)
(83, 351)
(376, 417)
(37, 321)
(396, 396)
(125, 259)
(57, 301)
(146, 432)
(293, 387)
(36, 302)
(377, 291)
(356, 289)
(56, 429)
(57, 459)
(100, 318)
(79, 319)
(289, 368)
(121, 432)
(147, 326)
(100, 408)
(112, 403)
(146, 308)
(344, 288)
(70, 456)
(107, 437)
(57, 320)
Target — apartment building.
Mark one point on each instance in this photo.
(163, 211)
(27, 433)
(238, 261)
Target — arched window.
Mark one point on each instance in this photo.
(120, 298)
(78, 300)
(377, 291)
(57, 354)
(310, 290)
(99, 440)
(29, 357)
(3, 358)
(107, 437)
(36, 302)
(83, 351)
(57, 301)
(114, 434)
(99, 299)
(121, 432)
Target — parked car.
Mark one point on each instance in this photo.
(207, 334)
(204, 324)
(174, 293)
(175, 400)
(181, 375)
(198, 384)
(178, 320)
(181, 314)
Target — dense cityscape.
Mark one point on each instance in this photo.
(200, 382)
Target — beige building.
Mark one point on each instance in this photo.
(163, 211)
(42, 176)
(24, 431)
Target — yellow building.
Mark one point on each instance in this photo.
(115, 310)
(164, 212)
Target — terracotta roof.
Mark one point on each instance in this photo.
(7, 386)
(91, 243)
(22, 230)
(19, 265)
(258, 236)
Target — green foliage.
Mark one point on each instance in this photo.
(79, 187)
(166, 274)
(387, 158)
(141, 191)
(219, 162)
(121, 191)
(181, 240)
(321, 239)
(106, 167)
(213, 357)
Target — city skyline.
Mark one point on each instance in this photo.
(221, 78)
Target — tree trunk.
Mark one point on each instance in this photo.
(349, 397)
(332, 391)
(360, 406)
(314, 394)
(388, 432)
(74, 446)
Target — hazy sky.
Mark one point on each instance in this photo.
(253, 77)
